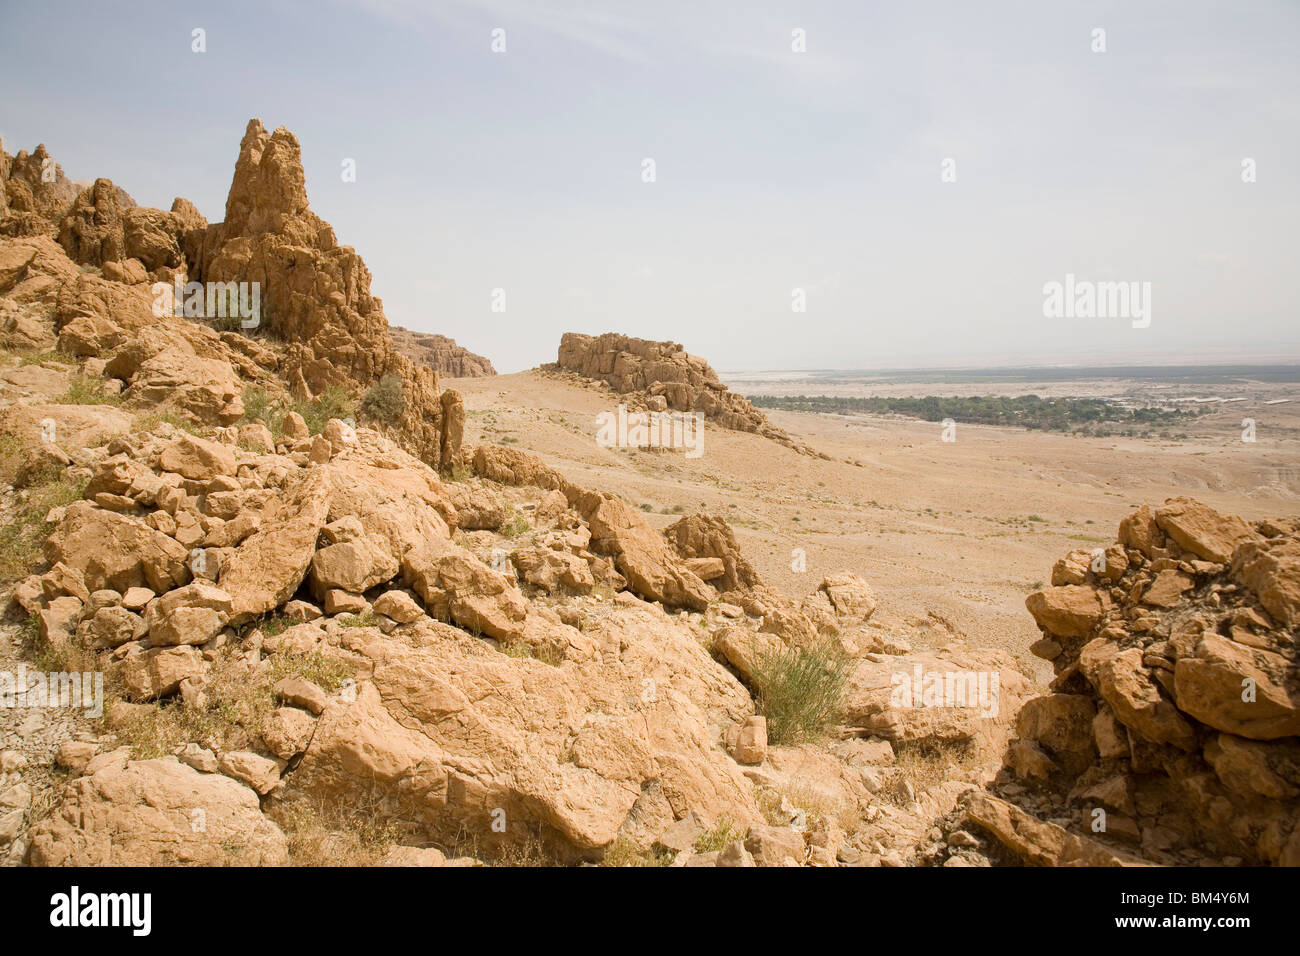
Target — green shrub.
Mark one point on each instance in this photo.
(257, 405)
(23, 537)
(334, 402)
(799, 690)
(719, 837)
(385, 402)
(87, 390)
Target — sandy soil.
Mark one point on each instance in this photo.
(963, 529)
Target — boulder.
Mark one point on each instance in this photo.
(1066, 611)
(111, 550)
(1202, 530)
(155, 813)
(193, 614)
(641, 554)
(196, 458)
(267, 568)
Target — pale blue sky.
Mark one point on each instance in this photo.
(775, 170)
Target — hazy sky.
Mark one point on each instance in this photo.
(775, 170)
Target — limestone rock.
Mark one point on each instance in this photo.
(156, 813)
(1202, 530)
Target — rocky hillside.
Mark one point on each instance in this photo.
(327, 633)
(440, 353)
(1173, 723)
(660, 376)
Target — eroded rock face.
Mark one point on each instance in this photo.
(146, 812)
(1177, 661)
(662, 375)
(441, 354)
(439, 731)
(315, 293)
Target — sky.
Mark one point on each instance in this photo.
(914, 175)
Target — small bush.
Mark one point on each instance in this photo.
(54, 356)
(623, 852)
(22, 538)
(538, 652)
(87, 390)
(722, 834)
(334, 402)
(515, 525)
(323, 832)
(799, 690)
(385, 402)
(11, 453)
(257, 405)
(147, 423)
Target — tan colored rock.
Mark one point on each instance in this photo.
(257, 436)
(850, 596)
(453, 583)
(1272, 571)
(75, 755)
(749, 745)
(1134, 697)
(414, 856)
(642, 555)
(301, 693)
(1202, 530)
(254, 770)
(148, 674)
(267, 568)
(553, 571)
(1068, 611)
(156, 813)
(775, 846)
(338, 601)
(1239, 690)
(1140, 532)
(662, 374)
(1168, 588)
(706, 569)
(440, 699)
(197, 458)
(193, 614)
(441, 354)
(453, 429)
(110, 627)
(111, 550)
(954, 694)
(399, 606)
(744, 649)
(1036, 842)
(288, 732)
(355, 566)
(703, 537)
(295, 428)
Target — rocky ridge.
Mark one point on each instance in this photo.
(440, 353)
(663, 376)
(1173, 722)
(295, 610)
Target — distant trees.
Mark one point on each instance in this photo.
(1025, 411)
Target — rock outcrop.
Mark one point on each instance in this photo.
(440, 353)
(1174, 716)
(315, 293)
(662, 376)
